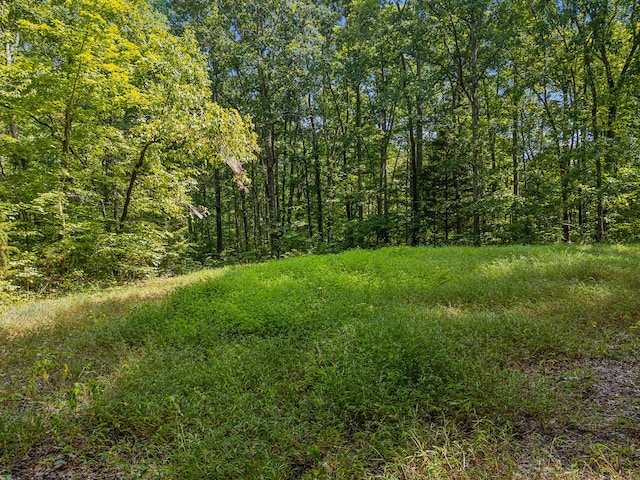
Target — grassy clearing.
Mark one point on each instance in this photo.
(511, 362)
(109, 303)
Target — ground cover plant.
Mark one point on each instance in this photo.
(493, 362)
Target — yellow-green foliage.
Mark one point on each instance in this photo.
(113, 123)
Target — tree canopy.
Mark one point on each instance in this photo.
(417, 122)
(107, 119)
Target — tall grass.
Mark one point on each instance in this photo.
(402, 361)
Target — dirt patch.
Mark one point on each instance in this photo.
(597, 433)
(67, 472)
(616, 393)
(47, 463)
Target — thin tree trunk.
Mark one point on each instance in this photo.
(270, 163)
(515, 153)
(413, 155)
(13, 126)
(292, 178)
(317, 174)
(475, 119)
(446, 207)
(565, 168)
(329, 200)
(419, 141)
(256, 203)
(282, 195)
(382, 173)
(330, 179)
(458, 199)
(218, 208)
(236, 223)
(413, 183)
(596, 138)
(307, 189)
(245, 221)
(132, 180)
(359, 152)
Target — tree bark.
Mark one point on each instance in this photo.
(475, 162)
(359, 156)
(218, 208)
(13, 126)
(419, 141)
(270, 162)
(132, 180)
(317, 174)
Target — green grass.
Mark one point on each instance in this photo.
(397, 363)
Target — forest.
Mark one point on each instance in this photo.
(140, 138)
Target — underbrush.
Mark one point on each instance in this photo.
(398, 363)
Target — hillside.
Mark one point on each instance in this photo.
(493, 362)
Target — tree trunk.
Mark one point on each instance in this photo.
(565, 169)
(307, 189)
(329, 199)
(270, 164)
(413, 177)
(218, 208)
(132, 180)
(446, 207)
(596, 138)
(317, 174)
(458, 200)
(245, 221)
(359, 151)
(13, 126)
(515, 153)
(419, 141)
(382, 173)
(415, 152)
(475, 162)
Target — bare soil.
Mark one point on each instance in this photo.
(598, 436)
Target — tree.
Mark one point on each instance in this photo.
(113, 120)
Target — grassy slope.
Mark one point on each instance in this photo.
(398, 363)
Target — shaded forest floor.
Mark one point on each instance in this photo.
(412, 363)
